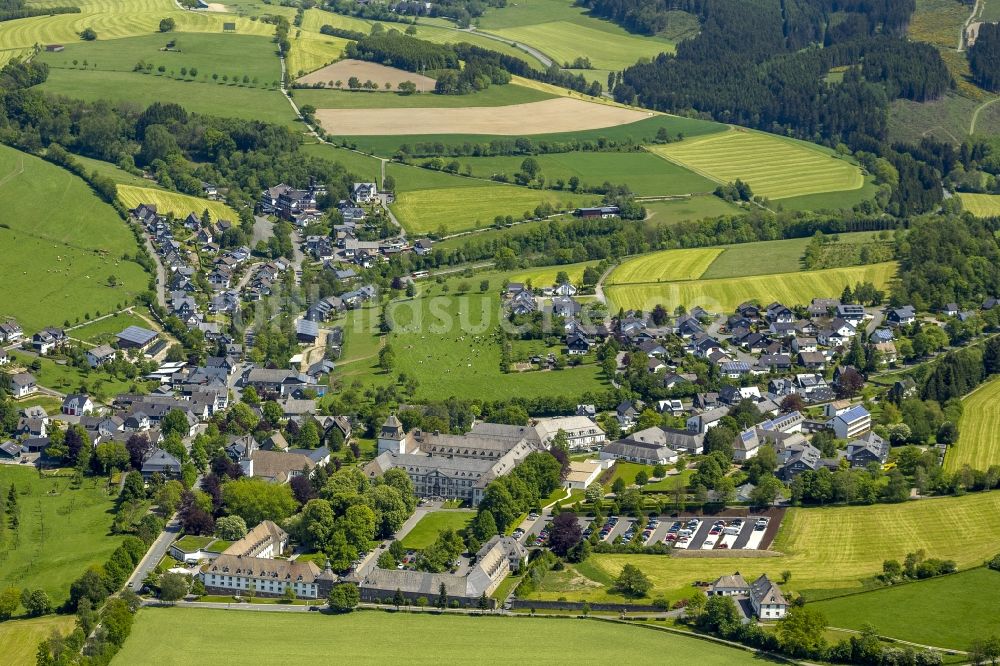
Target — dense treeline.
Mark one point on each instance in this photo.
(553, 74)
(179, 148)
(961, 371)
(984, 57)
(398, 50)
(950, 260)
(758, 66)
(460, 11)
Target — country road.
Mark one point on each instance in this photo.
(530, 50)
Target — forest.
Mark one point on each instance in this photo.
(984, 57)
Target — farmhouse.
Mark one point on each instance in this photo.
(99, 355)
(603, 212)
(250, 566)
(764, 597)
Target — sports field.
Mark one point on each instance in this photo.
(426, 531)
(723, 295)
(564, 32)
(978, 444)
(551, 115)
(829, 551)
(233, 55)
(981, 205)
(774, 166)
(645, 174)
(209, 98)
(462, 208)
(914, 612)
(665, 266)
(366, 71)
(19, 639)
(62, 531)
(296, 638)
(173, 202)
(59, 244)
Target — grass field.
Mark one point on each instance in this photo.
(981, 205)
(643, 131)
(463, 208)
(664, 266)
(106, 329)
(362, 166)
(765, 257)
(828, 551)
(19, 639)
(688, 210)
(914, 612)
(723, 295)
(546, 276)
(564, 32)
(234, 55)
(62, 531)
(842, 200)
(311, 51)
(645, 174)
(66, 378)
(494, 96)
(209, 98)
(426, 531)
(978, 444)
(775, 167)
(405, 636)
(111, 171)
(174, 202)
(57, 257)
(447, 341)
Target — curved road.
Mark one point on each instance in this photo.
(530, 50)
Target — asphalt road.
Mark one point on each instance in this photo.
(154, 554)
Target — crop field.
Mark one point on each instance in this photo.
(425, 532)
(913, 612)
(564, 32)
(462, 208)
(114, 19)
(234, 55)
(546, 276)
(775, 167)
(454, 638)
(723, 295)
(366, 71)
(311, 51)
(643, 131)
(829, 551)
(665, 266)
(978, 444)
(174, 202)
(57, 258)
(541, 117)
(20, 638)
(214, 99)
(62, 531)
(688, 210)
(981, 205)
(645, 174)
(494, 96)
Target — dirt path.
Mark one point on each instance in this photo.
(15, 173)
(976, 9)
(975, 114)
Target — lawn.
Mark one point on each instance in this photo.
(411, 637)
(493, 96)
(69, 379)
(57, 257)
(62, 531)
(645, 174)
(546, 275)
(563, 31)
(173, 202)
(464, 208)
(448, 343)
(914, 612)
(664, 266)
(723, 295)
(978, 444)
(191, 542)
(688, 210)
(643, 131)
(20, 638)
(981, 205)
(425, 532)
(774, 166)
(105, 330)
(229, 54)
(210, 98)
(836, 550)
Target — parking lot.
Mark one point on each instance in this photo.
(694, 533)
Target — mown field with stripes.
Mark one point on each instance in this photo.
(978, 444)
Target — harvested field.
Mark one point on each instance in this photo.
(552, 115)
(366, 71)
